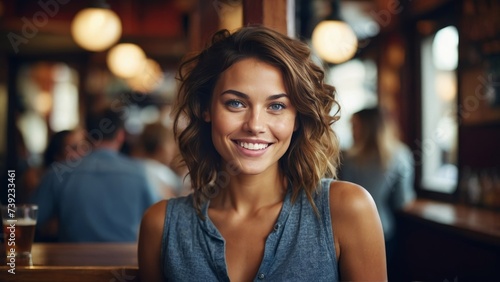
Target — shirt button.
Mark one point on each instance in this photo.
(261, 276)
(276, 227)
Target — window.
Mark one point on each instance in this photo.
(439, 111)
(48, 93)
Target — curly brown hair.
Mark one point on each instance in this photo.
(314, 150)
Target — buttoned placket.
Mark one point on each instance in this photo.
(218, 248)
(273, 240)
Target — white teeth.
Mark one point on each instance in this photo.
(253, 146)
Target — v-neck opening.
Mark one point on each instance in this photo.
(220, 261)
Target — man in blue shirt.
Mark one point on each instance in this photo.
(100, 197)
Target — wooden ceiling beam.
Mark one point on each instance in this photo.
(277, 14)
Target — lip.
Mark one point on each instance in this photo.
(249, 152)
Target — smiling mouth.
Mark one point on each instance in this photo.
(253, 146)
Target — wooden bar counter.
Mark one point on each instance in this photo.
(71, 262)
(441, 241)
(475, 223)
(87, 254)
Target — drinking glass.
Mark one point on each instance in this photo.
(19, 223)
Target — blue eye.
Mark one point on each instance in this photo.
(277, 107)
(234, 104)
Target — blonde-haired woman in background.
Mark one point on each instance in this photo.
(383, 165)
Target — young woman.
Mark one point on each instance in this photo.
(258, 144)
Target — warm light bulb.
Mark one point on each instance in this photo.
(126, 60)
(148, 79)
(334, 41)
(96, 29)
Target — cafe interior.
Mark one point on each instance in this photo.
(434, 65)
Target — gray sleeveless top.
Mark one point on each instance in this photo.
(299, 248)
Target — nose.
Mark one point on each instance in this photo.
(255, 122)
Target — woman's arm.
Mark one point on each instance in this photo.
(358, 234)
(150, 243)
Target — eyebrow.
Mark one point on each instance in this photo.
(245, 96)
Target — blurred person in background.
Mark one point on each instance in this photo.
(101, 197)
(156, 149)
(383, 165)
(61, 146)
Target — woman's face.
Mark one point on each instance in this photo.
(251, 116)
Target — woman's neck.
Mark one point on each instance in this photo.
(246, 194)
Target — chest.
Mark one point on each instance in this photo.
(245, 243)
(298, 249)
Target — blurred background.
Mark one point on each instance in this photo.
(433, 64)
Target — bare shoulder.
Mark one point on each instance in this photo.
(153, 220)
(349, 199)
(358, 234)
(156, 212)
(150, 242)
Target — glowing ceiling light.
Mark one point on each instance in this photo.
(126, 60)
(334, 41)
(96, 29)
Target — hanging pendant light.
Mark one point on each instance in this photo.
(96, 28)
(333, 39)
(126, 60)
